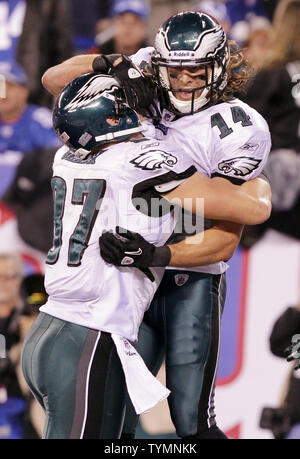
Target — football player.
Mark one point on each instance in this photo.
(77, 354)
(196, 74)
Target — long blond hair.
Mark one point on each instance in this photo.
(238, 72)
(285, 36)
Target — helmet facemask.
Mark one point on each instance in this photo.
(214, 83)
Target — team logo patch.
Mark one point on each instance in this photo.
(93, 88)
(127, 261)
(154, 159)
(240, 166)
(181, 279)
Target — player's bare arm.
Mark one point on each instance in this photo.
(57, 77)
(140, 93)
(248, 204)
(217, 243)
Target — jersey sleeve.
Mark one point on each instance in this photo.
(158, 168)
(161, 163)
(240, 148)
(142, 57)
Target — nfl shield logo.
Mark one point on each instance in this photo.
(181, 279)
(127, 261)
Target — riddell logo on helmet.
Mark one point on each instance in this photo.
(181, 53)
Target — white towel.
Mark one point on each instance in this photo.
(144, 390)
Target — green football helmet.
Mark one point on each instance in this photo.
(191, 39)
(82, 109)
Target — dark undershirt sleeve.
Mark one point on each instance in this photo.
(146, 190)
(234, 180)
(239, 181)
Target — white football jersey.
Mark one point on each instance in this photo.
(96, 194)
(229, 139)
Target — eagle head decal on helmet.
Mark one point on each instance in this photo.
(83, 108)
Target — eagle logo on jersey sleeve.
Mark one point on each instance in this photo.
(240, 166)
(154, 159)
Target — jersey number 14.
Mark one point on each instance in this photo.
(238, 116)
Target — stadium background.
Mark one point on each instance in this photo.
(262, 282)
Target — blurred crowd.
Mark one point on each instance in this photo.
(37, 34)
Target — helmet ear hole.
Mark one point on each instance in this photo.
(113, 121)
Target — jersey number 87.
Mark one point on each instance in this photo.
(87, 193)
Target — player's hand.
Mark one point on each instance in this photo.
(139, 90)
(134, 252)
(104, 62)
(293, 351)
(291, 357)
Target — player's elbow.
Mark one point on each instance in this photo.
(230, 241)
(50, 82)
(229, 253)
(46, 80)
(262, 211)
(229, 249)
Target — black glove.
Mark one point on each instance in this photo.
(294, 351)
(135, 252)
(104, 62)
(139, 90)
